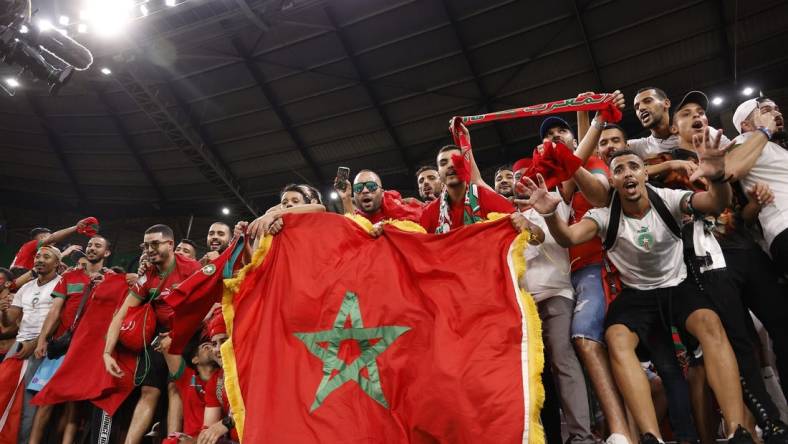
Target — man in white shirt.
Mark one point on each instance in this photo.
(767, 163)
(652, 107)
(31, 304)
(548, 279)
(648, 254)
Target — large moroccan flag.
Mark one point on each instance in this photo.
(338, 337)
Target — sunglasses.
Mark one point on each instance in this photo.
(359, 187)
(154, 245)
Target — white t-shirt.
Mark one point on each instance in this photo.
(648, 147)
(647, 254)
(548, 270)
(34, 300)
(770, 168)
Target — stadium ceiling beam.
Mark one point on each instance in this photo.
(589, 48)
(57, 146)
(112, 113)
(249, 13)
(486, 98)
(189, 142)
(725, 44)
(281, 114)
(363, 79)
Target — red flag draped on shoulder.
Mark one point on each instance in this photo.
(83, 362)
(193, 298)
(339, 337)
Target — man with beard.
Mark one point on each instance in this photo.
(188, 248)
(450, 210)
(743, 118)
(371, 201)
(429, 183)
(504, 181)
(31, 304)
(67, 297)
(741, 273)
(648, 252)
(165, 270)
(612, 139)
(219, 235)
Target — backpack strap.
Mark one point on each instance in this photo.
(613, 220)
(663, 211)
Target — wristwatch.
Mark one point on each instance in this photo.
(228, 422)
(765, 132)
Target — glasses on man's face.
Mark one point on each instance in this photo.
(153, 245)
(359, 187)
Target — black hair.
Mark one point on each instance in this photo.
(619, 153)
(38, 230)
(449, 148)
(7, 273)
(660, 93)
(507, 167)
(615, 126)
(189, 242)
(312, 193)
(106, 241)
(118, 269)
(425, 168)
(291, 187)
(165, 231)
(229, 228)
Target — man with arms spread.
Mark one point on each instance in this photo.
(649, 256)
(165, 270)
(40, 237)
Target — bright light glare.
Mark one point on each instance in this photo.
(717, 101)
(23, 29)
(44, 25)
(64, 20)
(12, 82)
(82, 28)
(748, 91)
(334, 195)
(106, 71)
(108, 17)
(62, 31)
(169, 3)
(225, 211)
(144, 10)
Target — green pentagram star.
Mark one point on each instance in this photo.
(372, 342)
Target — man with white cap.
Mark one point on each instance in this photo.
(755, 161)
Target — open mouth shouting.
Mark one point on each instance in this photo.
(215, 245)
(631, 186)
(645, 117)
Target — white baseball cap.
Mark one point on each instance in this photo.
(742, 112)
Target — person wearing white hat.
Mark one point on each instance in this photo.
(758, 159)
(743, 123)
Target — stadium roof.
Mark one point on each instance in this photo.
(222, 102)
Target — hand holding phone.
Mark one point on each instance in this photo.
(343, 175)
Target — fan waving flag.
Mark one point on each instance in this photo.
(336, 336)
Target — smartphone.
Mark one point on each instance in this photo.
(155, 343)
(343, 175)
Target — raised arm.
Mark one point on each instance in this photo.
(711, 166)
(740, 159)
(545, 204)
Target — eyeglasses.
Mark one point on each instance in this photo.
(154, 245)
(359, 187)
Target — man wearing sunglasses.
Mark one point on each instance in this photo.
(373, 202)
(165, 269)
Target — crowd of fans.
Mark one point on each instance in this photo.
(658, 268)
